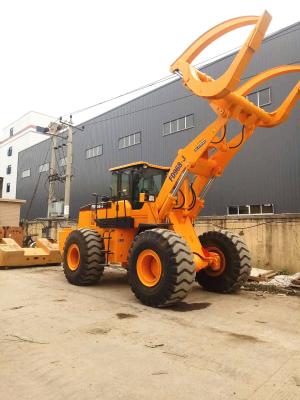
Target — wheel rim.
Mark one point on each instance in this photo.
(216, 250)
(73, 257)
(149, 268)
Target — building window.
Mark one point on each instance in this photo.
(11, 131)
(8, 170)
(94, 151)
(7, 187)
(9, 151)
(260, 98)
(44, 168)
(25, 173)
(130, 140)
(179, 124)
(252, 209)
(63, 162)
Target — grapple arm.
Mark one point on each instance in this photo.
(228, 102)
(282, 112)
(207, 155)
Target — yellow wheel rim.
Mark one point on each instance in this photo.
(73, 257)
(149, 268)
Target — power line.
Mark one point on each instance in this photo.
(141, 109)
(123, 94)
(154, 83)
(160, 104)
(284, 32)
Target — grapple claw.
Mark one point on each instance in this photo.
(201, 84)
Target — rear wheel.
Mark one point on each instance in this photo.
(160, 267)
(235, 262)
(83, 259)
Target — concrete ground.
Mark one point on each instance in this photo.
(59, 341)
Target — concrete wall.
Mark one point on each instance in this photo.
(35, 229)
(274, 241)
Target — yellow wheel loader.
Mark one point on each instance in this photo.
(146, 224)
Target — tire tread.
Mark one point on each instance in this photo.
(240, 269)
(181, 264)
(94, 259)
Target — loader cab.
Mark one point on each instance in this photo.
(137, 181)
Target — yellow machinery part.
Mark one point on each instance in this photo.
(13, 255)
(206, 156)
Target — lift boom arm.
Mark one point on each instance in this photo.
(209, 153)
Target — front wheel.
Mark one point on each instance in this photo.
(83, 258)
(235, 260)
(160, 267)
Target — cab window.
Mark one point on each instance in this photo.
(151, 181)
(125, 184)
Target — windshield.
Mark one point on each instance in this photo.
(129, 183)
(150, 181)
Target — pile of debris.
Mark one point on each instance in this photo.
(292, 281)
(273, 281)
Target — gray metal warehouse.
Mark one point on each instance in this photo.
(263, 178)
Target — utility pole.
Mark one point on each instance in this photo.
(68, 169)
(53, 127)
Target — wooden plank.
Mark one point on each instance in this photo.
(258, 274)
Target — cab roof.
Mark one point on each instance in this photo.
(139, 163)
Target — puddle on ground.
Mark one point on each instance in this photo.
(184, 307)
(124, 315)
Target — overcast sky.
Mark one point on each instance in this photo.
(59, 56)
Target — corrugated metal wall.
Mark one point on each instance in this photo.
(267, 170)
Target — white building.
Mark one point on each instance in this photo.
(17, 136)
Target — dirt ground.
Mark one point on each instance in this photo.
(59, 341)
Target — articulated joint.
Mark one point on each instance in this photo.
(211, 260)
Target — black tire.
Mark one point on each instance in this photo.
(237, 262)
(178, 270)
(92, 258)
